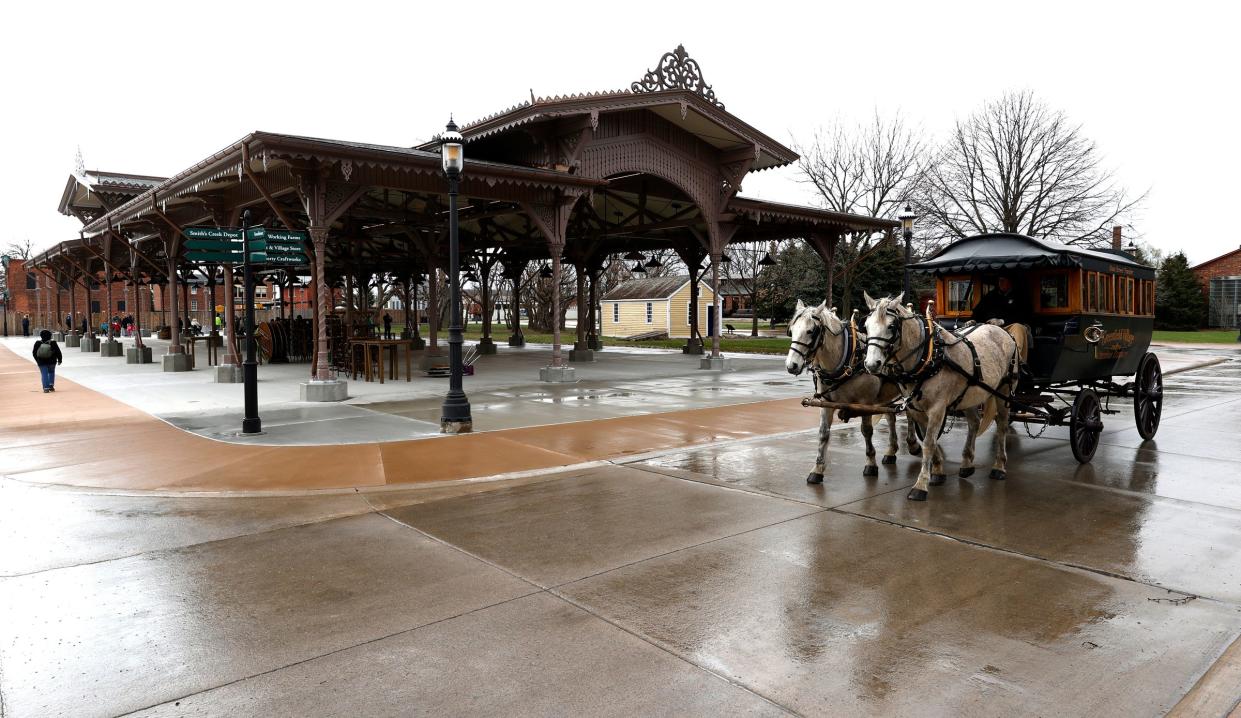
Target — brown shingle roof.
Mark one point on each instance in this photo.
(650, 288)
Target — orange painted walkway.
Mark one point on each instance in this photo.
(77, 436)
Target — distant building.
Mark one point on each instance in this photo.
(657, 304)
(1221, 282)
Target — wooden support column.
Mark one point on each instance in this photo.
(824, 244)
(138, 291)
(433, 306)
(321, 371)
(581, 351)
(718, 235)
(485, 344)
(552, 220)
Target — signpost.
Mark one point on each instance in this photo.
(247, 246)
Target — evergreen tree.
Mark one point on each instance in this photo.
(1180, 304)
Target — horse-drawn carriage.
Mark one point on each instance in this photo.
(1090, 312)
(1076, 320)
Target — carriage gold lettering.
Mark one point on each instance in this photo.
(1117, 269)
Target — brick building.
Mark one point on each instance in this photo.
(1221, 283)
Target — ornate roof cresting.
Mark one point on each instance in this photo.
(676, 71)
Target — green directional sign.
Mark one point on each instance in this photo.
(286, 247)
(217, 257)
(206, 245)
(212, 233)
(288, 260)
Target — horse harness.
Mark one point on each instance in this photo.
(934, 358)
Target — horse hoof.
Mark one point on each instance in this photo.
(998, 475)
(814, 478)
(938, 479)
(916, 451)
(916, 495)
(870, 471)
(890, 459)
(966, 472)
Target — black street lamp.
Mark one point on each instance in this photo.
(250, 423)
(455, 414)
(907, 226)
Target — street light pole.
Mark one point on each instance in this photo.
(250, 424)
(455, 414)
(907, 218)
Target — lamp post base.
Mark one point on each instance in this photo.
(111, 348)
(517, 340)
(456, 427)
(89, 344)
(581, 352)
(73, 341)
(692, 346)
(715, 364)
(486, 346)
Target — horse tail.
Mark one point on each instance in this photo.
(987, 415)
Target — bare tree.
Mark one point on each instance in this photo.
(871, 169)
(20, 250)
(1018, 166)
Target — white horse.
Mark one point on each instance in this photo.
(832, 351)
(941, 371)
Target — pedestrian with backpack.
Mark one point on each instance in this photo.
(47, 355)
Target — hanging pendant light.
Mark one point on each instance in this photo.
(725, 259)
(635, 256)
(767, 261)
(654, 263)
(546, 272)
(638, 268)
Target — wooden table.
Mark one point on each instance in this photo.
(379, 345)
(213, 347)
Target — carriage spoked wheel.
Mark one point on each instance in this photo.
(1148, 396)
(1085, 425)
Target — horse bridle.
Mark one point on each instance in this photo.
(889, 343)
(816, 336)
(844, 369)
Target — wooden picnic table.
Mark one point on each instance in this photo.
(379, 346)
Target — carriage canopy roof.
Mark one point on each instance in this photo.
(1007, 252)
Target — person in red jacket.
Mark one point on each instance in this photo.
(47, 355)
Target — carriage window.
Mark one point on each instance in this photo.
(1054, 292)
(960, 295)
(1129, 296)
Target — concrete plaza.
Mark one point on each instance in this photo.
(701, 576)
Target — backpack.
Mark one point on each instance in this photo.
(45, 351)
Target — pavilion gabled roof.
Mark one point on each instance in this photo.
(674, 90)
(89, 193)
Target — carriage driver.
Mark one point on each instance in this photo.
(1003, 302)
(1010, 306)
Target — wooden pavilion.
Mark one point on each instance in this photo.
(573, 179)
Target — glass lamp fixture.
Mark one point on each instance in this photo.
(452, 152)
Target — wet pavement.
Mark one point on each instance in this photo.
(706, 581)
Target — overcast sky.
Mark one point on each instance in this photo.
(151, 88)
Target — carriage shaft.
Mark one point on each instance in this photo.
(855, 409)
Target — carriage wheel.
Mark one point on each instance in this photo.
(1085, 425)
(1148, 396)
